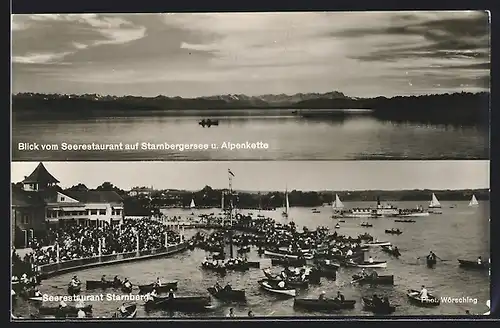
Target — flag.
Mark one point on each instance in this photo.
(229, 171)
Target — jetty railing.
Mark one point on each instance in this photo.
(72, 265)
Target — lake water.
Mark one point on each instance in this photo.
(288, 138)
(461, 232)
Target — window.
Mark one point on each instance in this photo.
(93, 212)
(26, 219)
(102, 212)
(62, 199)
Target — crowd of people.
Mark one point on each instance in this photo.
(74, 241)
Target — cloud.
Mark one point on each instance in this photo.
(51, 37)
(184, 54)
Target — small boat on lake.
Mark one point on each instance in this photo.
(393, 231)
(130, 312)
(381, 308)
(405, 221)
(376, 243)
(164, 288)
(392, 251)
(232, 295)
(414, 297)
(366, 225)
(366, 264)
(179, 303)
(68, 310)
(99, 284)
(208, 122)
(473, 265)
(373, 280)
(272, 287)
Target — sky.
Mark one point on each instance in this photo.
(269, 176)
(362, 54)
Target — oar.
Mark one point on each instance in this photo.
(356, 280)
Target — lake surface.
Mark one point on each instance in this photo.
(287, 137)
(460, 232)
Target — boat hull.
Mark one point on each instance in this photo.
(377, 309)
(185, 303)
(377, 244)
(323, 305)
(165, 288)
(375, 264)
(413, 215)
(130, 313)
(379, 280)
(70, 310)
(415, 299)
(272, 287)
(392, 232)
(228, 295)
(391, 251)
(97, 284)
(473, 265)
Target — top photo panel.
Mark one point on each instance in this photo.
(251, 86)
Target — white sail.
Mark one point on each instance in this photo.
(434, 203)
(193, 205)
(287, 205)
(287, 209)
(473, 201)
(337, 203)
(222, 202)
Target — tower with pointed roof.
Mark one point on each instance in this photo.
(39, 180)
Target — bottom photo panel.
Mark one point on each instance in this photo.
(152, 240)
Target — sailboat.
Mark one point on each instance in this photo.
(434, 203)
(473, 201)
(337, 204)
(287, 205)
(222, 203)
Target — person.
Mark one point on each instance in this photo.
(153, 293)
(15, 279)
(340, 297)
(363, 273)
(423, 293)
(349, 252)
(36, 293)
(467, 312)
(370, 259)
(127, 284)
(116, 281)
(431, 256)
(250, 313)
(24, 279)
(217, 286)
(81, 314)
(74, 282)
(303, 276)
(228, 287)
(281, 284)
(479, 260)
(385, 301)
(283, 275)
(103, 278)
(374, 274)
(396, 250)
(158, 282)
(322, 296)
(171, 294)
(123, 310)
(231, 313)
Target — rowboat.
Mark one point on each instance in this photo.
(68, 310)
(164, 288)
(377, 309)
(98, 284)
(366, 225)
(374, 264)
(126, 290)
(287, 255)
(131, 312)
(288, 262)
(431, 262)
(273, 287)
(473, 265)
(391, 251)
(405, 221)
(414, 297)
(393, 232)
(315, 304)
(184, 303)
(373, 280)
(228, 295)
(216, 268)
(376, 243)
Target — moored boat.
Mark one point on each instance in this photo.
(74, 290)
(473, 265)
(392, 251)
(131, 312)
(68, 310)
(413, 296)
(273, 287)
(381, 308)
(316, 304)
(376, 243)
(431, 261)
(228, 294)
(434, 203)
(373, 280)
(98, 284)
(393, 232)
(180, 303)
(374, 264)
(164, 288)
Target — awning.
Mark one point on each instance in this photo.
(73, 209)
(117, 207)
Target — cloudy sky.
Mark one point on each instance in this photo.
(189, 55)
(265, 176)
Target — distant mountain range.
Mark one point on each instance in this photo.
(456, 108)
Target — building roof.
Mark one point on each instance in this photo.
(94, 196)
(40, 175)
(23, 198)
